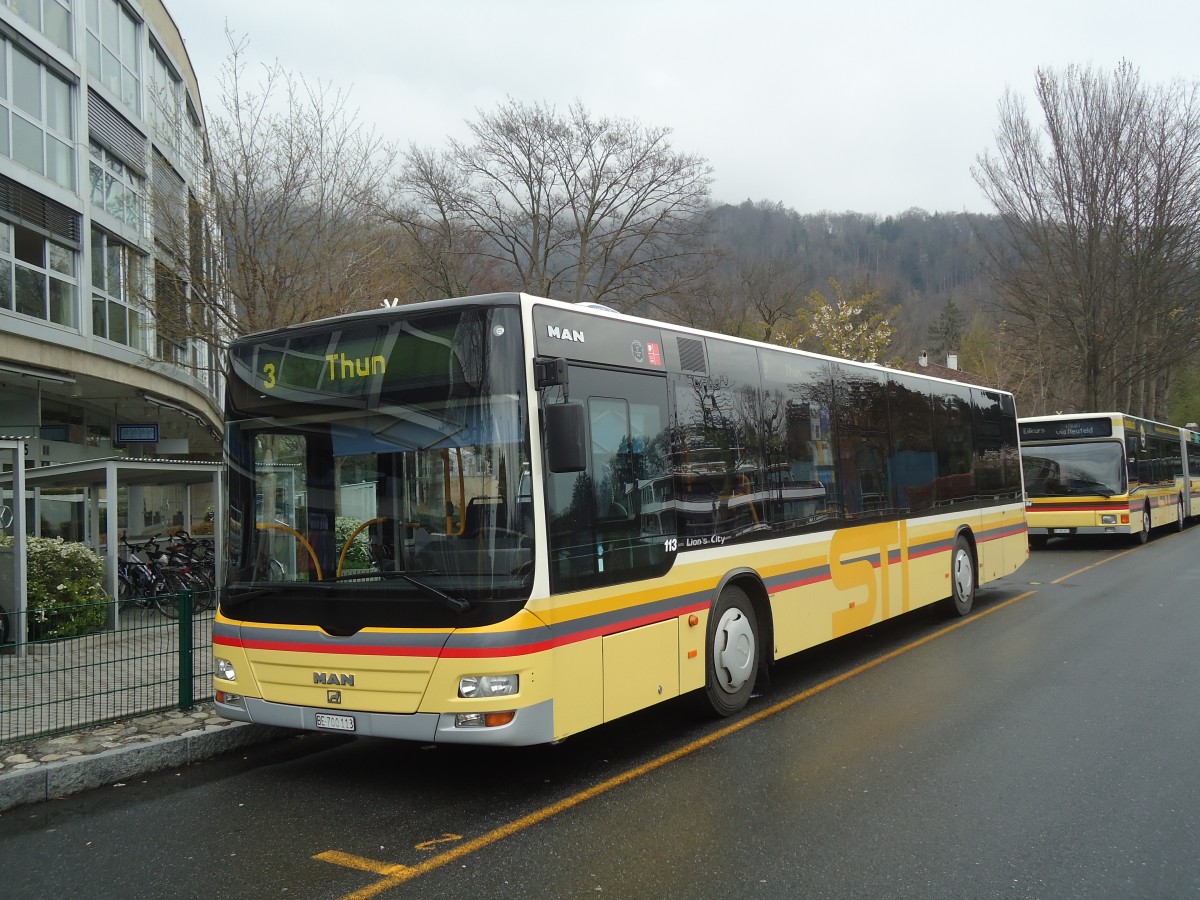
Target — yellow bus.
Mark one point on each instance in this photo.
(506, 519)
(1107, 473)
(1191, 461)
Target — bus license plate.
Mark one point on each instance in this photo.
(335, 723)
(1060, 530)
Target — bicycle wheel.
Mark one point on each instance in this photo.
(166, 600)
(204, 595)
(125, 592)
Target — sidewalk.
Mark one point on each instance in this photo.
(52, 767)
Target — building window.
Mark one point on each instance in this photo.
(112, 50)
(36, 126)
(171, 315)
(166, 90)
(118, 300)
(116, 188)
(51, 17)
(37, 276)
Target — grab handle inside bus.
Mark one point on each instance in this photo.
(566, 437)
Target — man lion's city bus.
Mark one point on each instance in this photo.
(504, 519)
(1107, 473)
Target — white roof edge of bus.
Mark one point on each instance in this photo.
(699, 332)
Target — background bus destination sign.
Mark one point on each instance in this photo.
(1062, 431)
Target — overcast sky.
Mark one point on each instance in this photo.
(874, 106)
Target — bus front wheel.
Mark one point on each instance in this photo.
(1144, 534)
(962, 578)
(732, 663)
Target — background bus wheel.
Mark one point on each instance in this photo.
(732, 662)
(1038, 541)
(3, 626)
(1144, 535)
(1179, 515)
(962, 578)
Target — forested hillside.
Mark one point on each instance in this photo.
(917, 260)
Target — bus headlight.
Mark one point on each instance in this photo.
(1108, 520)
(225, 669)
(480, 686)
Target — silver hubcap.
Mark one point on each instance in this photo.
(964, 578)
(733, 650)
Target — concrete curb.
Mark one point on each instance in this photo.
(82, 773)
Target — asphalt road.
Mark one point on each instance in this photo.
(1046, 746)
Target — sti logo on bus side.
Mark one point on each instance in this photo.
(565, 334)
(333, 678)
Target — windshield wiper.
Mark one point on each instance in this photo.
(456, 604)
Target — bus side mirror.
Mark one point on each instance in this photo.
(566, 437)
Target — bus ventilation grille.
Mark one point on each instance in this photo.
(691, 356)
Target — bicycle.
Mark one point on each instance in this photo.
(152, 582)
(192, 560)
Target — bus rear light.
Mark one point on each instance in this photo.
(484, 720)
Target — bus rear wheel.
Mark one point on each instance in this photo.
(732, 662)
(962, 578)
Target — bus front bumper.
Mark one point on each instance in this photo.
(1079, 529)
(531, 725)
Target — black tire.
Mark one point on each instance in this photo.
(166, 601)
(1179, 514)
(125, 591)
(1143, 534)
(962, 578)
(3, 626)
(203, 597)
(732, 651)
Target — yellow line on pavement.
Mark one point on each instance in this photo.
(1094, 565)
(396, 875)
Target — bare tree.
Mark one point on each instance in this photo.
(1098, 250)
(569, 206)
(772, 287)
(282, 227)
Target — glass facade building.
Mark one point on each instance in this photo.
(101, 142)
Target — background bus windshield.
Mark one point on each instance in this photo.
(1090, 469)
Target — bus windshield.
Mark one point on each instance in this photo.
(1082, 469)
(395, 499)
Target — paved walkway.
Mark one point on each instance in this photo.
(64, 686)
(52, 767)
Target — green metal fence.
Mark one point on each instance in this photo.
(147, 664)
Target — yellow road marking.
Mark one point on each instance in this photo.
(396, 875)
(1094, 565)
(350, 861)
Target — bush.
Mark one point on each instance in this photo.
(359, 555)
(65, 588)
